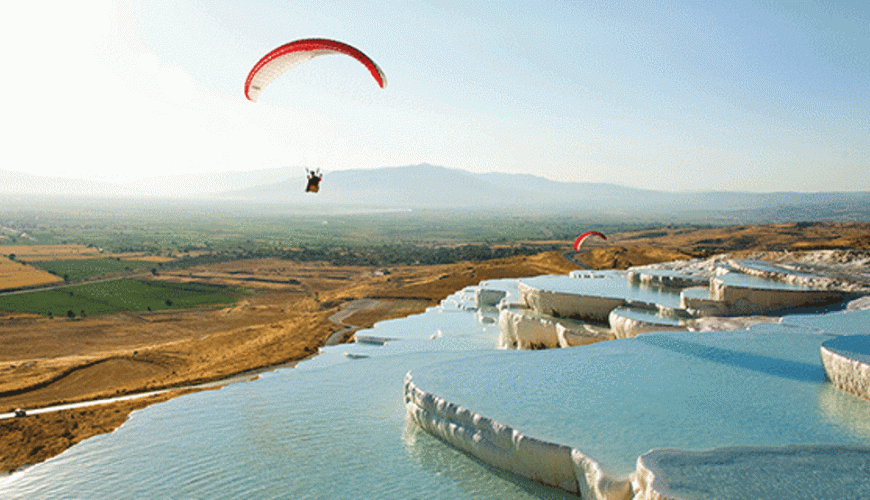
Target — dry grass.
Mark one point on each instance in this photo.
(679, 243)
(39, 253)
(14, 275)
(776, 237)
(623, 257)
(138, 257)
(40, 437)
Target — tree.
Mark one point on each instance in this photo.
(70, 314)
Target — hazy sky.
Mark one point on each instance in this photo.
(671, 95)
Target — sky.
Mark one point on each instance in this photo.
(668, 95)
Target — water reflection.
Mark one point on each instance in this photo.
(612, 284)
(846, 411)
(470, 474)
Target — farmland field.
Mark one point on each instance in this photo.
(117, 296)
(17, 275)
(186, 228)
(79, 269)
(37, 253)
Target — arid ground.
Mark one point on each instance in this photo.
(285, 318)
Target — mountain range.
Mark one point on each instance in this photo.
(427, 186)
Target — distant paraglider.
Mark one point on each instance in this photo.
(314, 179)
(580, 239)
(276, 62)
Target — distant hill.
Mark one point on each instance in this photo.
(427, 186)
(430, 186)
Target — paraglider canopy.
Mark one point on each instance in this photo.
(276, 62)
(580, 239)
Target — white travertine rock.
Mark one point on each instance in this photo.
(485, 297)
(523, 328)
(574, 334)
(506, 448)
(624, 327)
(485, 319)
(747, 300)
(844, 270)
(840, 273)
(736, 473)
(658, 277)
(568, 305)
(697, 301)
(593, 483)
(490, 441)
(859, 303)
(720, 323)
(730, 302)
(847, 363)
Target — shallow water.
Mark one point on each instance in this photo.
(747, 281)
(334, 433)
(607, 284)
(854, 347)
(767, 267)
(833, 323)
(645, 315)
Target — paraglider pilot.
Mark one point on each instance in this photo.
(314, 179)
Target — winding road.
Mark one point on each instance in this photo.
(346, 311)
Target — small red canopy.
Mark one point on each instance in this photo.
(580, 239)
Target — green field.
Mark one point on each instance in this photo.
(175, 229)
(117, 296)
(75, 270)
(203, 233)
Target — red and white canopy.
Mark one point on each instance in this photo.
(276, 62)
